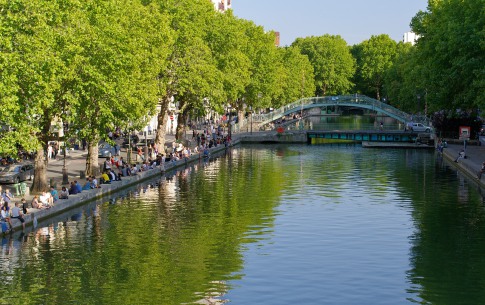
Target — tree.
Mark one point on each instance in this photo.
(191, 74)
(451, 49)
(265, 69)
(374, 57)
(400, 80)
(116, 83)
(297, 79)
(37, 46)
(229, 41)
(332, 62)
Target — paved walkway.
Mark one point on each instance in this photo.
(470, 166)
(76, 160)
(75, 163)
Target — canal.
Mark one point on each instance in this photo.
(334, 224)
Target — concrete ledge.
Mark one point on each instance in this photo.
(466, 166)
(64, 205)
(274, 137)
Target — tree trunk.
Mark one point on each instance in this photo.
(180, 131)
(161, 125)
(240, 119)
(40, 176)
(92, 163)
(39, 184)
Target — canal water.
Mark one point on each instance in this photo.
(335, 224)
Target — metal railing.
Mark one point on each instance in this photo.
(360, 101)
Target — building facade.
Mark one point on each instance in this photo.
(410, 37)
(222, 5)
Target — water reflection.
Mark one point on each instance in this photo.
(272, 225)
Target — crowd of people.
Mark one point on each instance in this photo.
(113, 169)
(8, 213)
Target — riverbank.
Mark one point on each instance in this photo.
(76, 164)
(469, 166)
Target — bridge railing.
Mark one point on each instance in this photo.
(347, 100)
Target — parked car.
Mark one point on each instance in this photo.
(417, 127)
(16, 173)
(106, 150)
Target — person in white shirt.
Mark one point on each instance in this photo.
(17, 214)
(46, 199)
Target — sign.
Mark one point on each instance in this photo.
(464, 132)
(171, 117)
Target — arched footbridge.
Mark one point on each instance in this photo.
(355, 101)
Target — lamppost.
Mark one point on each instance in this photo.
(251, 110)
(65, 176)
(128, 153)
(419, 103)
(229, 129)
(145, 131)
(65, 130)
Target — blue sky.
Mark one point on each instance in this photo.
(354, 20)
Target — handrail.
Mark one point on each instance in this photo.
(362, 101)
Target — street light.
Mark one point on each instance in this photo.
(65, 176)
(229, 129)
(251, 110)
(128, 153)
(419, 103)
(65, 130)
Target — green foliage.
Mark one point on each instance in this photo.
(446, 67)
(333, 64)
(297, 78)
(452, 50)
(374, 57)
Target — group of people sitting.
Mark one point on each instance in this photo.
(8, 213)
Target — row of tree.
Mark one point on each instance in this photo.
(444, 70)
(97, 65)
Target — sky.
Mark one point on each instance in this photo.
(354, 20)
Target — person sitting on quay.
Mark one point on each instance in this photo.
(54, 194)
(95, 182)
(64, 193)
(120, 162)
(35, 203)
(73, 189)
(25, 210)
(7, 196)
(107, 164)
(105, 178)
(461, 155)
(113, 176)
(46, 200)
(78, 186)
(206, 152)
(16, 214)
(5, 214)
(88, 185)
(124, 171)
(133, 170)
(481, 171)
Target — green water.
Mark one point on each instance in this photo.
(266, 225)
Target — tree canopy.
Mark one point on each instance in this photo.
(333, 64)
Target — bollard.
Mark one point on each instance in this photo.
(23, 188)
(17, 189)
(53, 183)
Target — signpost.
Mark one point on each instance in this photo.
(464, 135)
